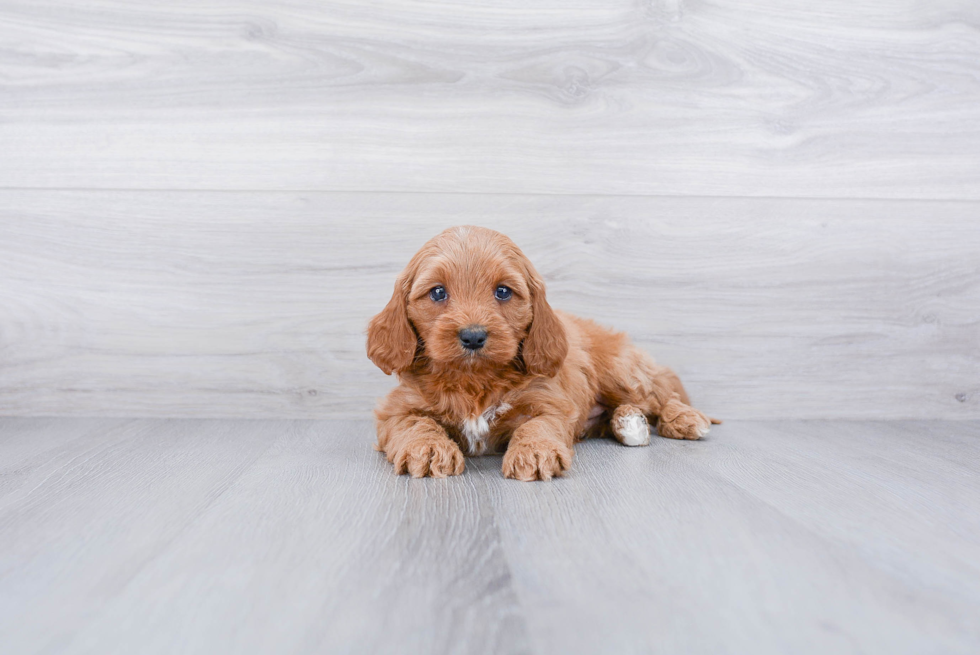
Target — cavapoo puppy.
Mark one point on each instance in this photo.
(485, 364)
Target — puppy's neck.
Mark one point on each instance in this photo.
(461, 394)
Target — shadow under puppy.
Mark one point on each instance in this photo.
(484, 364)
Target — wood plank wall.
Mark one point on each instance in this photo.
(203, 202)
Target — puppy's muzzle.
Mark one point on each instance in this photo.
(473, 337)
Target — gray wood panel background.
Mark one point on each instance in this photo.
(760, 97)
(255, 304)
(202, 203)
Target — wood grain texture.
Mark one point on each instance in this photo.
(243, 536)
(766, 537)
(255, 304)
(659, 97)
(158, 536)
(112, 499)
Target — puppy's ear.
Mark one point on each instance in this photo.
(391, 341)
(545, 345)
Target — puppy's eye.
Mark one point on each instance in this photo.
(502, 293)
(438, 294)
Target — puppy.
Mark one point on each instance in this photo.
(485, 364)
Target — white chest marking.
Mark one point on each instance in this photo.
(477, 429)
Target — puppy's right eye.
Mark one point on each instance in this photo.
(438, 294)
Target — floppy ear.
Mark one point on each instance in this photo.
(545, 345)
(391, 341)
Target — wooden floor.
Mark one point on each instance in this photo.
(207, 536)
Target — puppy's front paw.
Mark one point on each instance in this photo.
(538, 459)
(432, 456)
(680, 421)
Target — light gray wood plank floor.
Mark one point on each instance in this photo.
(205, 536)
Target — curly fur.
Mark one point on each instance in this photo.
(543, 379)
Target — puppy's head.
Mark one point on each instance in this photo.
(468, 299)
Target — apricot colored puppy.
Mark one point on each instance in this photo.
(485, 364)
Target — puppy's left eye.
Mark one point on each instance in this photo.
(502, 293)
(438, 294)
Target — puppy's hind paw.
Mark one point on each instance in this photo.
(630, 426)
(680, 421)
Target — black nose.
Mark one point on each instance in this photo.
(473, 337)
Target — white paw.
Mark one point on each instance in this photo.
(633, 430)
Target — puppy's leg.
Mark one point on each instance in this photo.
(540, 449)
(656, 390)
(630, 427)
(419, 446)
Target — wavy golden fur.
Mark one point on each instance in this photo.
(539, 381)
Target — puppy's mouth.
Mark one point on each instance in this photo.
(481, 358)
(471, 356)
